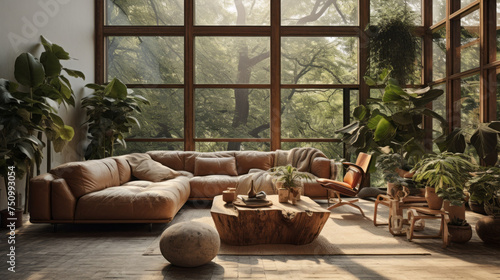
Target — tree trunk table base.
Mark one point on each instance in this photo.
(276, 224)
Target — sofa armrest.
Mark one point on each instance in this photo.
(39, 197)
(63, 201)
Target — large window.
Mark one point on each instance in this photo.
(267, 75)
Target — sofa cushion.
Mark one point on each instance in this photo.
(84, 177)
(190, 157)
(156, 201)
(124, 170)
(172, 159)
(144, 168)
(215, 166)
(247, 160)
(211, 185)
(321, 167)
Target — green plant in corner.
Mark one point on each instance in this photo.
(484, 187)
(110, 112)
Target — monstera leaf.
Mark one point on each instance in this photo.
(485, 141)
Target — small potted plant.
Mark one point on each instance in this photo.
(444, 176)
(484, 187)
(396, 173)
(460, 230)
(291, 180)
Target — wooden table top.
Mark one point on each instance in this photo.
(305, 204)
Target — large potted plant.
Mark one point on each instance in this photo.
(392, 122)
(291, 180)
(445, 175)
(110, 114)
(484, 187)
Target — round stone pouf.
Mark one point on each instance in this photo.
(189, 244)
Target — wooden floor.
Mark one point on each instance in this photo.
(116, 251)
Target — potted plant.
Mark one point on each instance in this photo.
(460, 230)
(392, 43)
(484, 187)
(393, 122)
(444, 176)
(397, 174)
(110, 112)
(291, 179)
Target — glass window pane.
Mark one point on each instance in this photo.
(145, 12)
(164, 118)
(438, 106)
(498, 30)
(439, 54)
(146, 60)
(438, 10)
(469, 103)
(354, 98)
(313, 12)
(379, 8)
(319, 60)
(217, 12)
(232, 60)
(468, 50)
(226, 146)
(311, 113)
(333, 150)
(232, 113)
(142, 147)
(464, 3)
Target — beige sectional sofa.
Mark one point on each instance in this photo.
(152, 187)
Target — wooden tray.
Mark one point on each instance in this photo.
(252, 204)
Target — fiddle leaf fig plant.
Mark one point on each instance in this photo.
(393, 121)
(110, 111)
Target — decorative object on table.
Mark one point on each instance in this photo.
(352, 183)
(460, 231)
(283, 193)
(484, 187)
(251, 192)
(228, 196)
(189, 244)
(110, 111)
(447, 173)
(260, 200)
(291, 179)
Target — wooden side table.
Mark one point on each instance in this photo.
(423, 213)
(396, 219)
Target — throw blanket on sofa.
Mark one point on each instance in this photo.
(301, 158)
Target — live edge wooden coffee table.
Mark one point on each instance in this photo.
(276, 224)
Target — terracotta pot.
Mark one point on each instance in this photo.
(433, 200)
(460, 234)
(454, 212)
(488, 229)
(477, 207)
(283, 195)
(390, 186)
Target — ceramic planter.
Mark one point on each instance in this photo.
(488, 229)
(283, 195)
(433, 200)
(294, 195)
(454, 212)
(460, 234)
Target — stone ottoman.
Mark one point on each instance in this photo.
(189, 244)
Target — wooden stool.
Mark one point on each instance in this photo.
(424, 213)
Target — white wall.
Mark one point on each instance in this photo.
(68, 23)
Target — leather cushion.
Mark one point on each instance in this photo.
(215, 166)
(247, 160)
(172, 159)
(144, 168)
(321, 167)
(211, 185)
(84, 177)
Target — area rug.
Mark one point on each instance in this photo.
(345, 233)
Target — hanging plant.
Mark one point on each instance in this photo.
(393, 45)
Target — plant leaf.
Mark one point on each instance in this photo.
(28, 71)
(116, 89)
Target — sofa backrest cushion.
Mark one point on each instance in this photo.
(215, 166)
(124, 170)
(172, 159)
(190, 157)
(321, 167)
(246, 160)
(84, 177)
(145, 168)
